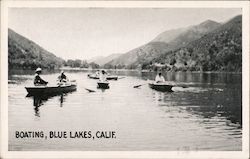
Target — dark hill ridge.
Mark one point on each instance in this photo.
(163, 43)
(24, 53)
(218, 50)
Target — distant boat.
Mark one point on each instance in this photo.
(93, 76)
(145, 71)
(51, 90)
(163, 87)
(103, 85)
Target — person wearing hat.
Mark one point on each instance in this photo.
(62, 77)
(38, 80)
(159, 78)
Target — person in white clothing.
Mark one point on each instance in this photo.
(97, 73)
(103, 77)
(159, 78)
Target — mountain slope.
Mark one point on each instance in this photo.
(219, 50)
(163, 43)
(169, 35)
(143, 53)
(100, 60)
(193, 33)
(97, 58)
(24, 53)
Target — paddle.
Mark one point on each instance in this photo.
(121, 77)
(137, 86)
(90, 90)
(182, 86)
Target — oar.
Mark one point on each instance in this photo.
(137, 86)
(121, 77)
(90, 90)
(183, 86)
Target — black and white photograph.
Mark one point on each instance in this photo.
(125, 78)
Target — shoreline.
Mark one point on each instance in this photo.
(144, 71)
(122, 70)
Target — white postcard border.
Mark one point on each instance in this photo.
(124, 154)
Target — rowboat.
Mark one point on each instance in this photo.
(51, 90)
(92, 76)
(163, 87)
(103, 85)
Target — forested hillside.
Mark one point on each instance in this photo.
(219, 50)
(24, 53)
(163, 43)
(208, 46)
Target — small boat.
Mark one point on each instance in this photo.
(51, 90)
(92, 76)
(103, 85)
(112, 78)
(163, 87)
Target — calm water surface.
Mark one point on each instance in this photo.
(204, 116)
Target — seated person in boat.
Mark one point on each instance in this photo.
(97, 73)
(38, 80)
(159, 78)
(103, 76)
(62, 77)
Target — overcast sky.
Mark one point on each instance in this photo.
(77, 33)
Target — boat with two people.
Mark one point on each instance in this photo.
(98, 73)
(51, 90)
(41, 86)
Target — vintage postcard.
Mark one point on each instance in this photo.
(125, 79)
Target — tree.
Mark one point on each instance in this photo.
(94, 65)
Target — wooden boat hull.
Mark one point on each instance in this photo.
(92, 76)
(103, 85)
(108, 78)
(161, 87)
(45, 90)
(112, 78)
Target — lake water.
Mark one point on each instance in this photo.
(205, 115)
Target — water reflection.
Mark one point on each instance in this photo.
(39, 101)
(61, 100)
(103, 90)
(216, 103)
(204, 116)
(197, 78)
(162, 98)
(219, 111)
